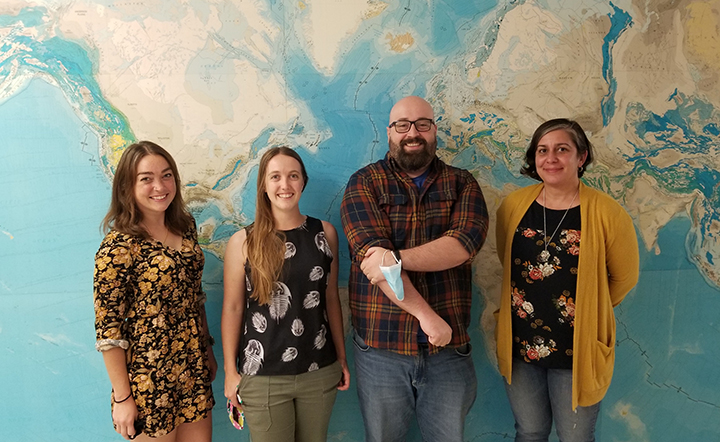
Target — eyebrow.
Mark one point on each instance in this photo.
(277, 171)
(150, 173)
(558, 144)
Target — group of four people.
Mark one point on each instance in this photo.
(413, 225)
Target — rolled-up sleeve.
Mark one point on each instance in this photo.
(364, 223)
(469, 218)
(111, 292)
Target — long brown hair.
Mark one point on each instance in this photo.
(124, 214)
(265, 245)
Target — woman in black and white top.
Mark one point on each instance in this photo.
(282, 327)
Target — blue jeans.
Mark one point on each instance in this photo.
(540, 395)
(440, 389)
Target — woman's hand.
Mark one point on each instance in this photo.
(124, 415)
(344, 382)
(232, 381)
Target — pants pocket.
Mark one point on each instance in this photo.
(464, 350)
(255, 394)
(359, 342)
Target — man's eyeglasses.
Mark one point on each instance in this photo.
(403, 126)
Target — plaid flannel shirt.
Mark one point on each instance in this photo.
(382, 207)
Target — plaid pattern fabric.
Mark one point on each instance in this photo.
(382, 207)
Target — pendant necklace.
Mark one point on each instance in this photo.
(545, 255)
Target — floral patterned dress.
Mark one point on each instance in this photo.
(543, 287)
(147, 300)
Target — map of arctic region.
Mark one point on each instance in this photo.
(218, 81)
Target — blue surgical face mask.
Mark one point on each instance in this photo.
(393, 276)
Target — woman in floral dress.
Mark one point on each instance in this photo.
(282, 327)
(149, 315)
(569, 256)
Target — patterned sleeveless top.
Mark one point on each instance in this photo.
(292, 334)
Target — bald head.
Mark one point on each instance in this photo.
(413, 150)
(411, 108)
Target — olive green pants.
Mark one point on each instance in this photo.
(290, 408)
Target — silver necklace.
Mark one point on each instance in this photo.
(545, 255)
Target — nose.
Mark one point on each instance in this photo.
(413, 132)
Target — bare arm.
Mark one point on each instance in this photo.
(438, 331)
(233, 311)
(441, 254)
(125, 412)
(334, 309)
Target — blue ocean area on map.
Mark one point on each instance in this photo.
(49, 168)
(661, 357)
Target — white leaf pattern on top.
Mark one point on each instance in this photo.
(323, 245)
(290, 250)
(280, 301)
(320, 339)
(259, 322)
(254, 356)
(248, 284)
(314, 366)
(311, 300)
(289, 354)
(316, 273)
(297, 327)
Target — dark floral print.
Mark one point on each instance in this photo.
(543, 287)
(149, 296)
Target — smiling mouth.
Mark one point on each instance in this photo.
(413, 144)
(159, 198)
(285, 195)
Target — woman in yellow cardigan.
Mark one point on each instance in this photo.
(569, 255)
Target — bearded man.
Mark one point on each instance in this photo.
(414, 225)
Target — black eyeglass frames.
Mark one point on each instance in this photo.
(421, 124)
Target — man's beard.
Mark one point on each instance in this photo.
(416, 161)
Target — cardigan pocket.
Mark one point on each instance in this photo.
(603, 364)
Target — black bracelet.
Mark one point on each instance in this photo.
(119, 402)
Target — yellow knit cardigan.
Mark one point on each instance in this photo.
(608, 269)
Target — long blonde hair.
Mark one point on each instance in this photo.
(265, 245)
(124, 214)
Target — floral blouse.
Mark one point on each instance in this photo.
(544, 286)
